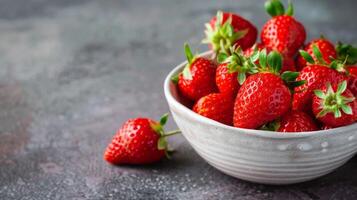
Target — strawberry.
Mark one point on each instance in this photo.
(335, 105)
(232, 71)
(316, 76)
(227, 82)
(282, 32)
(327, 51)
(288, 63)
(297, 121)
(216, 106)
(198, 77)
(264, 96)
(138, 141)
(228, 29)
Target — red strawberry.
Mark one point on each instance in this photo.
(138, 141)
(264, 96)
(316, 76)
(335, 105)
(216, 106)
(325, 46)
(227, 82)
(297, 121)
(229, 29)
(231, 73)
(198, 77)
(288, 63)
(257, 47)
(283, 32)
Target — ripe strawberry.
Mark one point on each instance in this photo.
(316, 76)
(288, 65)
(229, 29)
(325, 46)
(216, 106)
(283, 32)
(288, 62)
(264, 96)
(330, 101)
(231, 73)
(297, 121)
(198, 77)
(138, 141)
(227, 82)
(257, 47)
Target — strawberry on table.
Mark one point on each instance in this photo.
(297, 121)
(316, 76)
(228, 29)
(264, 96)
(139, 141)
(327, 51)
(197, 78)
(216, 106)
(335, 105)
(282, 32)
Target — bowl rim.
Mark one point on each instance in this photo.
(261, 133)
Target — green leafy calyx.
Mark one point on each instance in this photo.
(237, 62)
(222, 36)
(346, 52)
(276, 8)
(336, 64)
(159, 129)
(334, 101)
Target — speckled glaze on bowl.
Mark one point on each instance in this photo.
(262, 156)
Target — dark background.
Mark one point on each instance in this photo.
(72, 71)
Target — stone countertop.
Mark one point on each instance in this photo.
(73, 71)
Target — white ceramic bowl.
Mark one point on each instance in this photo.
(262, 156)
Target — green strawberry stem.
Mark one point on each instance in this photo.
(334, 102)
(276, 8)
(222, 36)
(190, 59)
(162, 142)
(170, 133)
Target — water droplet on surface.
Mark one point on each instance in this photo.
(304, 146)
(324, 144)
(351, 138)
(283, 147)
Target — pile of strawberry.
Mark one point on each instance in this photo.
(278, 84)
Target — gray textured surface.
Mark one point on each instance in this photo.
(72, 71)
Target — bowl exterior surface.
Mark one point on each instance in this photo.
(261, 156)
